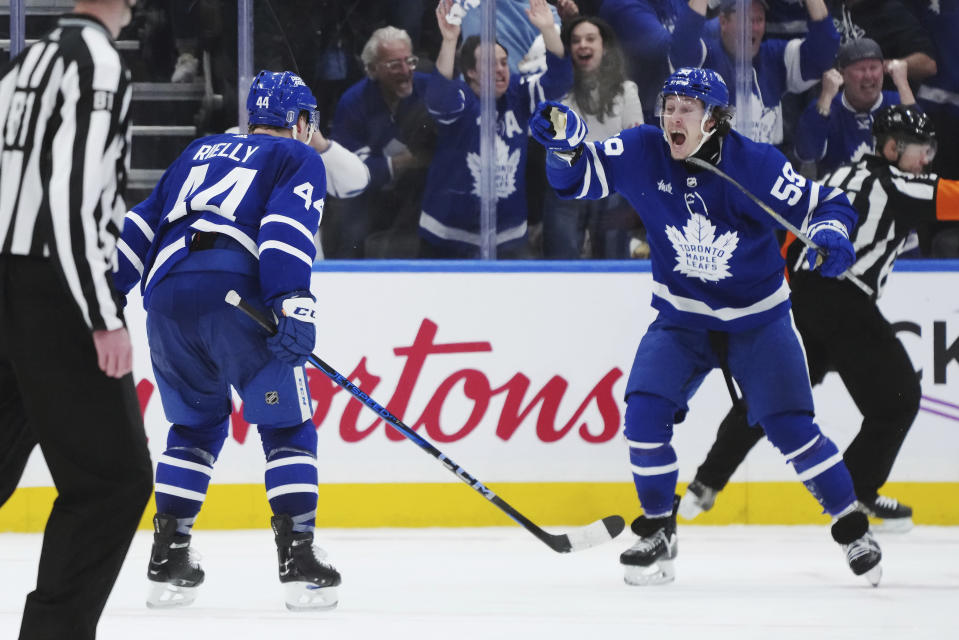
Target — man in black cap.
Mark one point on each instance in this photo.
(837, 127)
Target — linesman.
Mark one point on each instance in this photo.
(65, 355)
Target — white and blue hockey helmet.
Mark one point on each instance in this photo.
(694, 82)
(277, 99)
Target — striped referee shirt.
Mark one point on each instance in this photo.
(64, 156)
(891, 203)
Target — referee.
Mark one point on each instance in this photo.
(842, 328)
(65, 355)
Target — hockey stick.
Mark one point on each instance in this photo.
(576, 540)
(802, 237)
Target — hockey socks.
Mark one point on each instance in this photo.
(291, 476)
(182, 480)
(815, 458)
(648, 430)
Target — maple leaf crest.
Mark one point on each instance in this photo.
(699, 254)
(860, 151)
(507, 164)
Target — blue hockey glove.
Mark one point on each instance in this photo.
(557, 127)
(295, 334)
(831, 236)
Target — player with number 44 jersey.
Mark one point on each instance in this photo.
(234, 212)
(719, 287)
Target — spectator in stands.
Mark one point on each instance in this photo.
(786, 19)
(522, 41)
(837, 127)
(647, 30)
(939, 97)
(939, 94)
(450, 220)
(779, 66)
(893, 26)
(608, 103)
(382, 119)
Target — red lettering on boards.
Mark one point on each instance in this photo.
(472, 384)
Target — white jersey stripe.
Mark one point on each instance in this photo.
(286, 489)
(296, 224)
(288, 249)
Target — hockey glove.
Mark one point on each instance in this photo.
(295, 334)
(831, 236)
(557, 127)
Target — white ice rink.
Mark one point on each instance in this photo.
(732, 582)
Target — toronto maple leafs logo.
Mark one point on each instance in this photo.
(860, 151)
(506, 166)
(699, 254)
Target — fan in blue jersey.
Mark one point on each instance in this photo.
(234, 212)
(722, 298)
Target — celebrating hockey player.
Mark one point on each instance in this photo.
(722, 298)
(844, 331)
(234, 212)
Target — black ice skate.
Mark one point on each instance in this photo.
(698, 498)
(174, 570)
(862, 551)
(893, 516)
(650, 560)
(310, 583)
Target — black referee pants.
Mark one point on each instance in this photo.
(842, 331)
(91, 434)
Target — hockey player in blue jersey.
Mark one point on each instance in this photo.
(234, 212)
(722, 299)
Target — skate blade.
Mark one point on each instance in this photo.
(661, 572)
(304, 596)
(163, 595)
(892, 525)
(874, 575)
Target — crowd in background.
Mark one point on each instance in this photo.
(820, 70)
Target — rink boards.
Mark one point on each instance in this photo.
(516, 371)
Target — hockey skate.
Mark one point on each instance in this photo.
(698, 498)
(174, 570)
(893, 516)
(650, 560)
(310, 583)
(862, 551)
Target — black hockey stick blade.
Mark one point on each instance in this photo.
(582, 538)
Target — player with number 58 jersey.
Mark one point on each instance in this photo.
(719, 286)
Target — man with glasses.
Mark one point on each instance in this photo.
(382, 119)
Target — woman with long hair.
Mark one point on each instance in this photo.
(608, 103)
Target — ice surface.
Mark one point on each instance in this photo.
(737, 582)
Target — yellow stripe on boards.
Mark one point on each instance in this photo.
(548, 504)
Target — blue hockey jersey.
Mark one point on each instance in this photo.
(842, 137)
(265, 192)
(451, 205)
(715, 260)
(780, 67)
